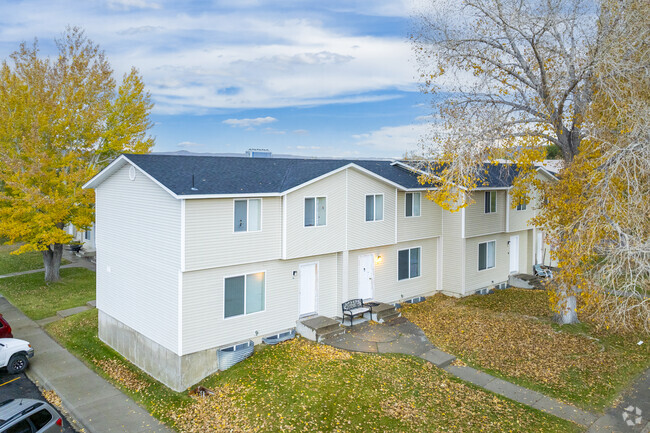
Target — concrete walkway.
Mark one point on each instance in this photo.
(75, 262)
(402, 336)
(95, 404)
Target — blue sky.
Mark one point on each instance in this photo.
(334, 78)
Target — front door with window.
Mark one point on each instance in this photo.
(366, 276)
(514, 254)
(308, 289)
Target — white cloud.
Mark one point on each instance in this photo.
(393, 141)
(249, 123)
(300, 131)
(274, 131)
(132, 4)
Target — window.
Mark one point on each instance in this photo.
(490, 201)
(244, 294)
(40, 418)
(522, 203)
(412, 204)
(248, 215)
(408, 263)
(486, 255)
(22, 427)
(87, 235)
(315, 211)
(375, 207)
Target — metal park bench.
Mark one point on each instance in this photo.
(352, 308)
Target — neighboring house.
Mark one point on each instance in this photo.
(84, 237)
(199, 252)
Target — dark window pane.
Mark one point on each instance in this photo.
(370, 208)
(22, 427)
(415, 263)
(240, 216)
(379, 207)
(487, 201)
(403, 264)
(310, 212)
(482, 256)
(234, 296)
(41, 418)
(493, 201)
(409, 204)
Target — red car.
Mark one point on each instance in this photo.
(5, 329)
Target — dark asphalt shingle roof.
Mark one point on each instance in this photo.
(240, 175)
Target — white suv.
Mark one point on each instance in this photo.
(14, 354)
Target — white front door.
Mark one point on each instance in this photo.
(540, 248)
(308, 288)
(514, 254)
(366, 276)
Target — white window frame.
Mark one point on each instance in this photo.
(374, 202)
(315, 197)
(245, 312)
(409, 278)
(478, 255)
(522, 205)
(405, 204)
(496, 202)
(248, 214)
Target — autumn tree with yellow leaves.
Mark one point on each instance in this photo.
(523, 74)
(61, 121)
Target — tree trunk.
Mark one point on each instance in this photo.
(52, 261)
(567, 309)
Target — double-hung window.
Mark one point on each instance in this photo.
(315, 211)
(375, 207)
(244, 294)
(412, 204)
(248, 215)
(486, 258)
(522, 203)
(490, 201)
(408, 263)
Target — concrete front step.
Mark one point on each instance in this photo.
(318, 327)
(384, 312)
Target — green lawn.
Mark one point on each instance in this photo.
(510, 334)
(303, 386)
(39, 300)
(10, 263)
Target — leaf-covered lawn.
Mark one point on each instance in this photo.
(509, 333)
(17, 263)
(38, 299)
(300, 386)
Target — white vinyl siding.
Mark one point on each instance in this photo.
(211, 242)
(477, 222)
(204, 325)
(412, 204)
(374, 207)
(476, 279)
(304, 241)
(361, 234)
(387, 287)
(453, 258)
(427, 226)
(138, 232)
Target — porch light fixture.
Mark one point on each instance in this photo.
(378, 259)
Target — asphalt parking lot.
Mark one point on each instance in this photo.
(19, 386)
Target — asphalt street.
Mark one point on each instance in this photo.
(19, 386)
